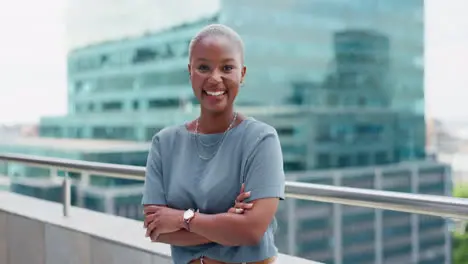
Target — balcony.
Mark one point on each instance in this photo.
(39, 231)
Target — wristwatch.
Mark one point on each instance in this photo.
(188, 216)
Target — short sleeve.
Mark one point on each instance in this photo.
(153, 191)
(264, 173)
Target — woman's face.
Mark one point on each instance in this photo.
(216, 72)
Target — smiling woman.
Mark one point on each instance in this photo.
(213, 185)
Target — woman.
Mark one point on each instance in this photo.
(194, 189)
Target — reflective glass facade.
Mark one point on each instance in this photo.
(333, 53)
(339, 54)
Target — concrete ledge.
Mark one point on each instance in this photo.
(35, 231)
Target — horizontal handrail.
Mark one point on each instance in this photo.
(106, 169)
(436, 205)
(443, 206)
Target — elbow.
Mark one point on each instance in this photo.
(250, 237)
(254, 231)
(254, 236)
(254, 240)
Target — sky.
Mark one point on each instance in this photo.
(35, 41)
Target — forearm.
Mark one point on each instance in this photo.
(226, 229)
(182, 238)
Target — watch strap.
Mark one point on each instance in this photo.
(188, 220)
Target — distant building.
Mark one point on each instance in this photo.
(128, 89)
(332, 233)
(110, 151)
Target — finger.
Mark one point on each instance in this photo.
(154, 237)
(244, 205)
(234, 210)
(241, 197)
(148, 220)
(150, 209)
(151, 228)
(239, 211)
(242, 188)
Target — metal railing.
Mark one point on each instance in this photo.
(443, 206)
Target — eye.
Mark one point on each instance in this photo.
(203, 68)
(228, 68)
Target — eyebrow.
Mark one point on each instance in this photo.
(225, 60)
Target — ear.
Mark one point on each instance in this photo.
(189, 68)
(243, 72)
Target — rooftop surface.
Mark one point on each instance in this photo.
(128, 234)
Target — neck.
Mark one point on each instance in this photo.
(210, 123)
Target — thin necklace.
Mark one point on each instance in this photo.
(220, 142)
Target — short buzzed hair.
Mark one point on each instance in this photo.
(216, 30)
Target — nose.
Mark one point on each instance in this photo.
(216, 76)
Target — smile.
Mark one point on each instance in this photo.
(214, 93)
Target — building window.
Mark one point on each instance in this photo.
(362, 159)
(293, 166)
(126, 133)
(381, 157)
(155, 79)
(136, 105)
(78, 86)
(323, 161)
(144, 55)
(163, 103)
(115, 83)
(285, 131)
(344, 161)
(111, 106)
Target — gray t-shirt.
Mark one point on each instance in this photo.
(176, 176)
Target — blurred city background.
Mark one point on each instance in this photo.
(363, 93)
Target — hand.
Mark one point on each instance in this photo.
(240, 206)
(161, 220)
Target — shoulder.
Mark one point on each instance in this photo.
(259, 136)
(256, 131)
(167, 135)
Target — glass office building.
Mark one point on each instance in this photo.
(340, 54)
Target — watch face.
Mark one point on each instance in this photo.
(188, 214)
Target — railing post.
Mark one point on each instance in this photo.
(448, 234)
(337, 225)
(84, 182)
(84, 179)
(53, 174)
(292, 225)
(66, 191)
(378, 224)
(414, 218)
(109, 206)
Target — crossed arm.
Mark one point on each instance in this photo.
(182, 238)
(230, 229)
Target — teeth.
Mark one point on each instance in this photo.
(215, 93)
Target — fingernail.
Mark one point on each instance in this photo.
(248, 193)
(249, 205)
